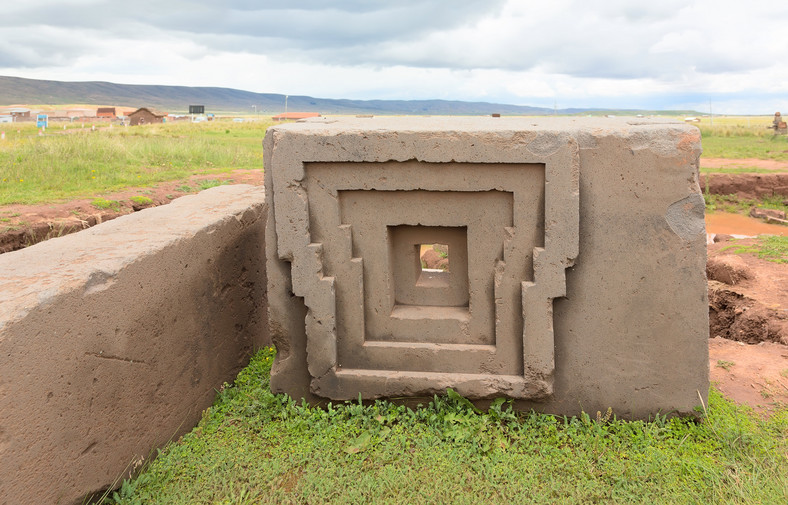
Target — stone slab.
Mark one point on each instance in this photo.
(585, 261)
(114, 339)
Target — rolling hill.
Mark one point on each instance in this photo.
(17, 90)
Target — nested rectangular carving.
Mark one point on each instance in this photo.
(374, 331)
(374, 327)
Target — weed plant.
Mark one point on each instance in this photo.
(256, 447)
(36, 168)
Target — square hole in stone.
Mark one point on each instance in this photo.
(424, 271)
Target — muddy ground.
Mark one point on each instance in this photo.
(748, 296)
(748, 325)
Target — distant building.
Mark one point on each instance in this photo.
(108, 112)
(78, 113)
(20, 114)
(295, 115)
(145, 115)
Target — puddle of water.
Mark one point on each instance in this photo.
(737, 224)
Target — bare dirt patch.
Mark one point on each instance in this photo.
(748, 296)
(754, 375)
(748, 326)
(712, 163)
(24, 225)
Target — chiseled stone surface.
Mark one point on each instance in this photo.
(582, 285)
(114, 339)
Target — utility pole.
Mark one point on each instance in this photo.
(285, 106)
(255, 109)
(711, 114)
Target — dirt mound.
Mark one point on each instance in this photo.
(754, 375)
(728, 269)
(748, 186)
(738, 317)
(433, 259)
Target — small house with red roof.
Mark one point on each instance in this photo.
(106, 112)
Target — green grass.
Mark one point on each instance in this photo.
(141, 200)
(103, 203)
(732, 138)
(768, 247)
(54, 166)
(736, 170)
(209, 183)
(256, 447)
(736, 205)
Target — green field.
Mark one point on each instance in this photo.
(79, 162)
(255, 447)
(742, 137)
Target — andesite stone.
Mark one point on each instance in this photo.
(577, 252)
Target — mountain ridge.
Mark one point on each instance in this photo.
(19, 90)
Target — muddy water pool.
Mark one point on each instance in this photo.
(737, 224)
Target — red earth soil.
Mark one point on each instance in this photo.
(749, 186)
(748, 326)
(712, 163)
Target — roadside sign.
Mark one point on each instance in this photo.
(42, 121)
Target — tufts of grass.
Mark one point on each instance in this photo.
(768, 247)
(141, 200)
(736, 205)
(103, 203)
(725, 365)
(210, 183)
(256, 447)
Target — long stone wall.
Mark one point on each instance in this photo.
(113, 340)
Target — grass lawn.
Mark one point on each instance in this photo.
(737, 205)
(78, 162)
(768, 247)
(255, 447)
(741, 137)
(40, 168)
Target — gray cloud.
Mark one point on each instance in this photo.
(615, 39)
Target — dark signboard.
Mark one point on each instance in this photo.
(196, 109)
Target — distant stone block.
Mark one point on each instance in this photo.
(573, 273)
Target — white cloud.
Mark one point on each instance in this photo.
(618, 53)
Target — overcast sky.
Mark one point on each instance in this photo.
(664, 54)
